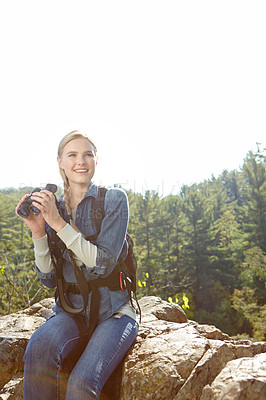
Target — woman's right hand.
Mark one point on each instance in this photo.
(36, 223)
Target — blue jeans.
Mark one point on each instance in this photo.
(60, 336)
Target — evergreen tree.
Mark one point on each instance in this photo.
(250, 300)
(173, 220)
(146, 227)
(235, 186)
(255, 174)
(196, 245)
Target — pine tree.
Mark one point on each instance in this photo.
(197, 211)
(255, 175)
(250, 299)
(173, 220)
(146, 227)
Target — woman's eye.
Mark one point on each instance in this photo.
(89, 154)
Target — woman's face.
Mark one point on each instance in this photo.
(79, 161)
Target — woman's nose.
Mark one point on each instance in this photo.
(81, 160)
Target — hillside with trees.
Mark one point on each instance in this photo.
(204, 248)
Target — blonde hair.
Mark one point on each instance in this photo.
(67, 194)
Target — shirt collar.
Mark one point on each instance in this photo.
(92, 191)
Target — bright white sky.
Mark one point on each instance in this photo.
(170, 91)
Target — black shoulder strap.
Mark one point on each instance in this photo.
(97, 211)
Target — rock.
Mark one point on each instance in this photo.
(241, 379)
(11, 352)
(172, 358)
(25, 322)
(15, 331)
(155, 308)
(13, 390)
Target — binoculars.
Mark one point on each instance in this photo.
(27, 207)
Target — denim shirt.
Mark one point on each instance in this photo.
(110, 242)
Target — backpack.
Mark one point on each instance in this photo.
(122, 277)
(129, 265)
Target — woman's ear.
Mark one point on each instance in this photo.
(59, 162)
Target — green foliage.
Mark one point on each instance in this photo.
(196, 242)
(19, 285)
(250, 300)
(255, 177)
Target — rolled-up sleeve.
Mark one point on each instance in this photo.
(42, 254)
(84, 250)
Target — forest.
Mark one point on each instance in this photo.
(203, 248)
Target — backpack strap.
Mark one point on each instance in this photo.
(97, 211)
(122, 269)
(57, 248)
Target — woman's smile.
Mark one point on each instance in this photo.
(81, 171)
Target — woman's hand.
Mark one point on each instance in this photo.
(36, 223)
(45, 202)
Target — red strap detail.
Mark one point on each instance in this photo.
(122, 284)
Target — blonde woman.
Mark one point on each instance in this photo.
(65, 333)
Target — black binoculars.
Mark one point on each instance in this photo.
(27, 207)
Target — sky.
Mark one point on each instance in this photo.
(171, 92)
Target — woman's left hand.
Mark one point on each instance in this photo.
(45, 202)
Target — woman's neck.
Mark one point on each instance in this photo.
(77, 194)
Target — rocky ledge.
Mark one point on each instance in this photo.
(171, 359)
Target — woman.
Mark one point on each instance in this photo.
(64, 333)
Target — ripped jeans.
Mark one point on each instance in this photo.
(57, 338)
